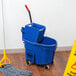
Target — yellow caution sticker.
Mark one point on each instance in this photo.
(71, 65)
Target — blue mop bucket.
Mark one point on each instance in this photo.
(39, 49)
(41, 53)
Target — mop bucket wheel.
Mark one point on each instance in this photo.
(5, 59)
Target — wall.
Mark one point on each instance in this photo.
(59, 17)
(1, 29)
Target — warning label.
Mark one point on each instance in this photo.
(71, 65)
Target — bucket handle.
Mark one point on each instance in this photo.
(29, 13)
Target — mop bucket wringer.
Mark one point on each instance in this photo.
(39, 49)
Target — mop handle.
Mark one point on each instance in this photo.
(4, 51)
(29, 13)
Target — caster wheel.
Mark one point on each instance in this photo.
(52, 62)
(28, 62)
(47, 67)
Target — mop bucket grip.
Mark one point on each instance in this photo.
(27, 7)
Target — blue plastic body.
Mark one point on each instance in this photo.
(39, 49)
(33, 32)
(41, 53)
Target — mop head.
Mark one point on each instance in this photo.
(9, 70)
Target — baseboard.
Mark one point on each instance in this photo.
(12, 51)
(68, 48)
